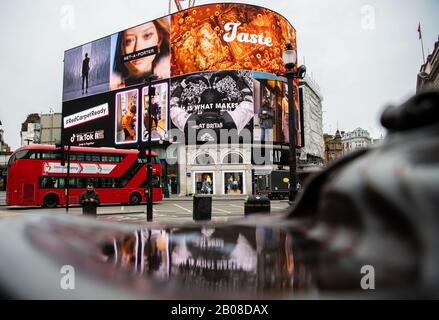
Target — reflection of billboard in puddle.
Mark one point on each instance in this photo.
(142, 252)
(210, 256)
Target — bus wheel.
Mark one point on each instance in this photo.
(50, 201)
(281, 197)
(135, 199)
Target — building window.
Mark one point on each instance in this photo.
(204, 183)
(204, 159)
(233, 183)
(233, 158)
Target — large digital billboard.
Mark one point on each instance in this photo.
(121, 60)
(228, 36)
(271, 110)
(208, 61)
(212, 104)
(87, 69)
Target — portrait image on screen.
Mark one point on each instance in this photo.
(140, 52)
(87, 69)
(158, 110)
(126, 117)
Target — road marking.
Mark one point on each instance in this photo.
(5, 214)
(183, 208)
(234, 205)
(221, 210)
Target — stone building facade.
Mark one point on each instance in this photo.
(313, 152)
(428, 76)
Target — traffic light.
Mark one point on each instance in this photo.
(63, 153)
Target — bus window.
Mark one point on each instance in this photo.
(77, 156)
(108, 183)
(61, 183)
(48, 183)
(11, 160)
(113, 158)
(19, 155)
(35, 154)
(80, 183)
(73, 182)
(50, 155)
(92, 180)
(95, 157)
(156, 182)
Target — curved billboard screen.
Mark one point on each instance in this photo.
(228, 36)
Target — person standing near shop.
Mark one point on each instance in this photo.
(89, 200)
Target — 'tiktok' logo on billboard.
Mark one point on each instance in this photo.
(87, 136)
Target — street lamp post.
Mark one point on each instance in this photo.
(151, 93)
(165, 173)
(67, 184)
(289, 58)
(65, 154)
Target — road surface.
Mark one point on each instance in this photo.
(163, 212)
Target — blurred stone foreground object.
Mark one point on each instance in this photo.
(380, 207)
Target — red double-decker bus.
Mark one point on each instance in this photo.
(36, 176)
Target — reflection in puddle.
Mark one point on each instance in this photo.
(238, 260)
(196, 262)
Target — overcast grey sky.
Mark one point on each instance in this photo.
(360, 63)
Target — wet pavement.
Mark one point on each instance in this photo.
(173, 262)
(258, 257)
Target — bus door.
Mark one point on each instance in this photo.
(28, 192)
